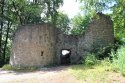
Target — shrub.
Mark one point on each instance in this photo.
(90, 59)
(119, 59)
(7, 67)
(101, 49)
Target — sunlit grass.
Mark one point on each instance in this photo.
(96, 73)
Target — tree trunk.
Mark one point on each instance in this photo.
(6, 40)
(1, 29)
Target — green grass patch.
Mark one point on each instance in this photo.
(96, 73)
(19, 69)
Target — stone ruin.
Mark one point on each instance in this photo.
(42, 44)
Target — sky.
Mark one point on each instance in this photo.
(70, 7)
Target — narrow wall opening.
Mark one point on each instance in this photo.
(65, 56)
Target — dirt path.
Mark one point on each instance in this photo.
(46, 75)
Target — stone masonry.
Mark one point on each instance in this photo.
(41, 45)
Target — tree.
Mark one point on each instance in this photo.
(1, 28)
(49, 9)
(20, 12)
(52, 6)
(89, 8)
(95, 6)
(79, 24)
(63, 22)
(118, 17)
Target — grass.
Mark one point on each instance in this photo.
(19, 69)
(92, 74)
(102, 72)
(119, 60)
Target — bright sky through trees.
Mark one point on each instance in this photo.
(70, 7)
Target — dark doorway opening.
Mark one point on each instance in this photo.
(65, 57)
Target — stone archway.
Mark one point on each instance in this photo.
(65, 56)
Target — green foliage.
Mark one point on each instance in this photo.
(118, 12)
(115, 6)
(104, 52)
(119, 59)
(100, 50)
(24, 12)
(51, 7)
(14, 13)
(7, 67)
(91, 59)
(119, 41)
(118, 18)
(79, 24)
(63, 22)
(28, 11)
(94, 6)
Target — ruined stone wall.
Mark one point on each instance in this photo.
(99, 34)
(33, 45)
(102, 30)
(41, 45)
(66, 42)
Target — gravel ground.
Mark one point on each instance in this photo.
(45, 75)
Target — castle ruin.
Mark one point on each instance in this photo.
(42, 44)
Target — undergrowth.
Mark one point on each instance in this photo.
(95, 73)
(119, 60)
